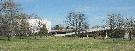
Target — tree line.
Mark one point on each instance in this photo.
(116, 24)
(14, 22)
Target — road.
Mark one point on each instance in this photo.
(64, 34)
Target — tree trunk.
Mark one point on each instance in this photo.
(8, 37)
(106, 36)
(130, 36)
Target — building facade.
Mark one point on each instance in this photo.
(36, 24)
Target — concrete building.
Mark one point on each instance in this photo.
(35, 26)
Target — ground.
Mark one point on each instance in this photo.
(66, 44)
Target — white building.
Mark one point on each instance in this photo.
(34, 24)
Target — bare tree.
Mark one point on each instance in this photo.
(22, 28)
(13, 21)
(130, 27)
(8, 12)
(77, 20)
(115, 22)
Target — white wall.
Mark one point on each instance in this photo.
(35, 22)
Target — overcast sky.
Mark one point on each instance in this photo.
(96, 10)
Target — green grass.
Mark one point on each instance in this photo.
(66, 44)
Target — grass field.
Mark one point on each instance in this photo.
(66, 44)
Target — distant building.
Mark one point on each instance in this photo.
(35, 24)
(97, 29)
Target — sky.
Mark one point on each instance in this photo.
(95, 10)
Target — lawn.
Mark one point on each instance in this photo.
(66, 44)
